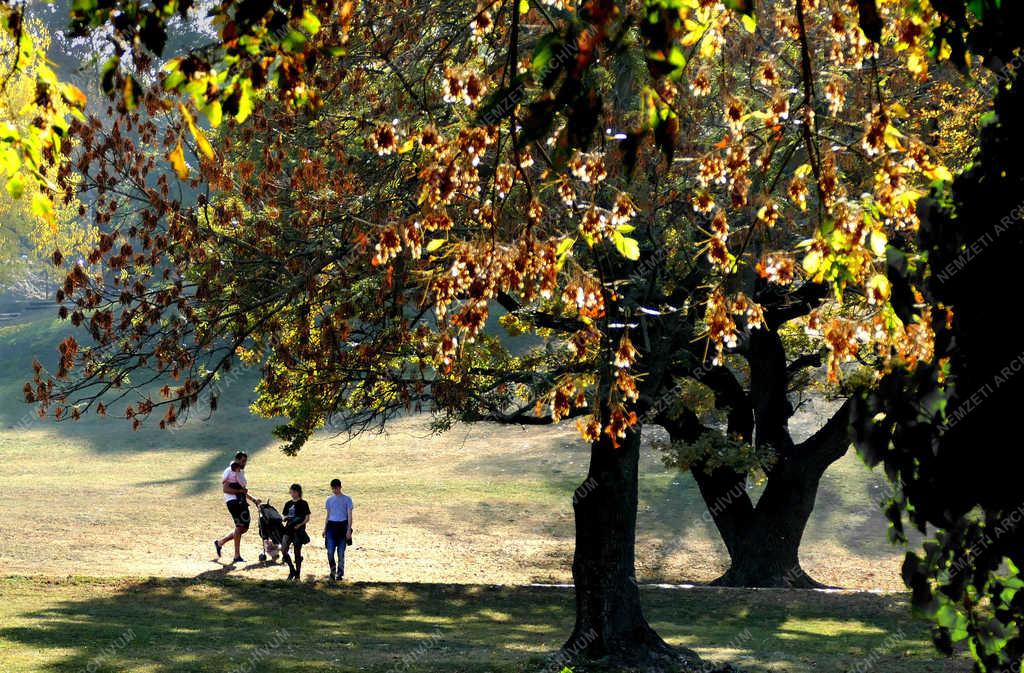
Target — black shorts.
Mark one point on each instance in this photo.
(239, 512)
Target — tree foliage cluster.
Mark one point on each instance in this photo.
(32, 224)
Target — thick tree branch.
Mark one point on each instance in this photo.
(802, 362)
(832, 440)
(538, 318)
(522, 416)
(780, 308)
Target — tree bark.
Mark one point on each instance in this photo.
(610, 624)
(763, 541)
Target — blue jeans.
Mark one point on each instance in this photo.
(337, 534)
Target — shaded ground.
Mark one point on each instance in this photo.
(167, 626)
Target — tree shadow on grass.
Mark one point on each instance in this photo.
(219, 625)
(171, 626)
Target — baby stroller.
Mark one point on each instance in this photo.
(271, 530)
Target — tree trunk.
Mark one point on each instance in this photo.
(763, 541)
(610, 624)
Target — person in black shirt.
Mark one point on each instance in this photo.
(296, 515)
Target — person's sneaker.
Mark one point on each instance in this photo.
(239, 559)
(216, 545)
(331, 576)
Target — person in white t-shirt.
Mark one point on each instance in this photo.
(337, 529)
(236, 497)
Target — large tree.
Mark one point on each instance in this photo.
(634, 185)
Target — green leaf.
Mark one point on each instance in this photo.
(627, 247)
(544, 50)
(107, 74)
(676, 57)
(310, 22)
(173, 80)
(293, 41)
(742, 6)
(650, 108)
(16, 186)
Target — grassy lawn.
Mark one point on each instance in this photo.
(480, 504)
(217, 624)
(440, 520)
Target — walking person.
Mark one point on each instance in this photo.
(236, 497)
(338, 529)
(296, 515)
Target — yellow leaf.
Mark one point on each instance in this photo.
(812, 262)
(892, 138)
(898, 111)
(434, 244)
(708, 48)
(749, 23)
(177, 157)
(878, 243)
(627, 247)
(692, 38)
(878, 288)
(214, 113)
(74, 95)
(42, 207)
(204, 145)
(917, 62)
(939, 173)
